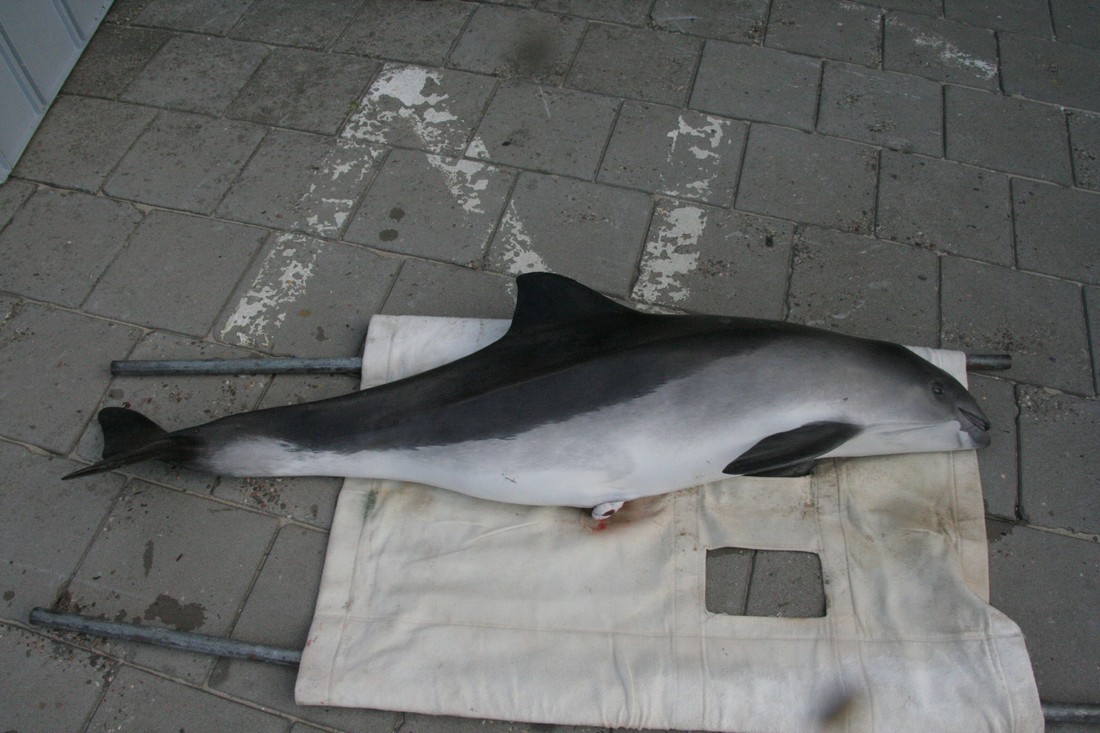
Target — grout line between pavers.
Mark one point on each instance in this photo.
(248, 592)
(483, 262)
(356, 106)
(114, 168)
(588, 23)
(690, 91)
(654, 202)
(788, 299)
(268, 131)
(820, 94)
(736, 192)
(607, 142)
(939, 299)
(357, 204)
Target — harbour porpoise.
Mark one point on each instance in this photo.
(588, 403)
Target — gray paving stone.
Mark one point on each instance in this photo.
(433, 207)
(925, 7)
(175, 271)
(196, 74)
(1006, 134)
(809, 178)
(589, 232)
(737, 20)
(279, 608)
(13, 194)
(307, 297)
(123, 12)
(434, 289)
(44, 351)
(173, 402)
(552, 130)
(81, 140)
(199, 16)
(998, 463)
(941, 50)
(1038, 320)
(59, 242)
(1052, 72)
(421, 33)
(272, 686)
(757, 84)
(865, 287)
(288, 22)
(137, 700)
(1062, 629)
(170, 559)
(204, 155)
(700, 258)
(841, 31)
(1092, 305)
(729, 570)
(412, 106)
(1060, 472)
(1019, 16)
(518, 42)
(786, 584)
(1057, 230)
(894, 110)
(34, 505)
(279, 611)
(946, 207)
(1084, 136)
(1076, 21)
(303, 90)
(638, 63)
(114, 56)
(675, 152)
(301, 181)
(50, 686)
(627, 12)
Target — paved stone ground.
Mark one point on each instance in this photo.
(233, 177)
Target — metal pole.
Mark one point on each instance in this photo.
(351, 365)
(219, 647)
(988, 362)
(1070, 713)
(274, 365)
(185, 640)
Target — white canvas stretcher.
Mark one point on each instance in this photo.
(438, 603)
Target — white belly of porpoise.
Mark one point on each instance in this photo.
(622, 452)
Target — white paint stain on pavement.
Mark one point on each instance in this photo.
(401, 95)
(340, 177)
(671, 255)
(709, 134)
(702, 143)
(518, 256)
(280, 283)
(950, 54)
(465, 179)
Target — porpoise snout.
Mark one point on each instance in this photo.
(976, 425)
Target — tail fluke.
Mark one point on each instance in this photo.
(130, 437)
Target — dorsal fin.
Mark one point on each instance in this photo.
(545, 298)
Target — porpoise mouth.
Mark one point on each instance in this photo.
(978, 429)
(977, 419)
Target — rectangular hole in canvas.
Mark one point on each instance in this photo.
(747, 582)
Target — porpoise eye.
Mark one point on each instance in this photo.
(937, 388)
